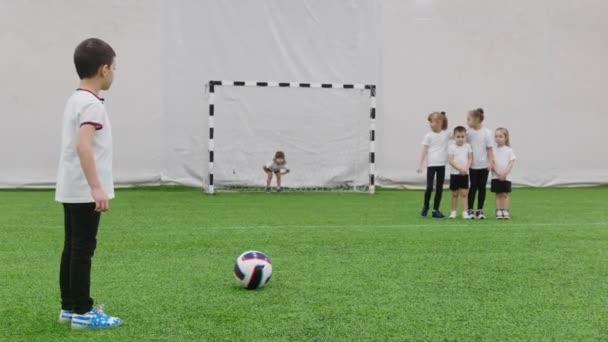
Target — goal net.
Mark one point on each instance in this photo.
(327, 132)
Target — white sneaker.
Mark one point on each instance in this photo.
(94, 319)
(506, 215)
(453, 214)
(499, 214)
(465, 215)
(471, 214)
(65, 316)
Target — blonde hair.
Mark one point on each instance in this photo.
(505, 132)
(440, 116)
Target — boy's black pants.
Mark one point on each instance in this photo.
(81, 223)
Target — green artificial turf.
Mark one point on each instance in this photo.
(347, 267)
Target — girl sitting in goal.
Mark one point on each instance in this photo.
(277, 166)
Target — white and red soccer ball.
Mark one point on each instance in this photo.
(252, 270)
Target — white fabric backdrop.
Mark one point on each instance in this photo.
(537, 68)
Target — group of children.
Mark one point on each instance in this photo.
(471, 155)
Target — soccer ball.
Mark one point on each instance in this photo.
(252, 270)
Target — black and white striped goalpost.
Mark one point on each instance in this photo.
(372, 117)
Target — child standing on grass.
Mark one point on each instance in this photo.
(435, 152)
(278, 167)
(460, 157)
(501, 177)
(84, 183)
(480, 139)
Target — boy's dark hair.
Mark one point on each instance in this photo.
(90, 55)
(459, 129)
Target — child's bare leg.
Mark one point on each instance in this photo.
(464, 194)
(505, 201)
(269, 179)
(454, 200)
(278, 180)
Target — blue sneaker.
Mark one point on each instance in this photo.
(65, 316)
(424, 212)
(438, 214)
(94, 319)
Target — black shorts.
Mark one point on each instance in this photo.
(458, 182)
(267, 169)
(499, 186)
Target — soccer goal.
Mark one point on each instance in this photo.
(327, 132)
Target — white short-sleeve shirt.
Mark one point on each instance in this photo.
(84, 108)
(438, 147)
(480, 140)
(502, 156)
(461, 156)
(274, 167)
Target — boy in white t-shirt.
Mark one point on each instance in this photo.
(460, 157)
(84, 183)
(504, 158)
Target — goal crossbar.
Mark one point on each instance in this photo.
(372, 116)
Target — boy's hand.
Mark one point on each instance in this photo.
(463, 172)
(102, 202)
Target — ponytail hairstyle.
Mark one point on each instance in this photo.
(505, 132)
(477, 113)
(440, 116)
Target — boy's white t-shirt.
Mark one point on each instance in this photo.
(480, 140)
(502, 156)
(84, 108)
(438, 147)
(461, 156)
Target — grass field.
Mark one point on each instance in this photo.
(346, 267)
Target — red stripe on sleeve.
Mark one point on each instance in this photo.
(97, 125)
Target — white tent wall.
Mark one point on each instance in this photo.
(537, 68)
(302, 41)
(37, 75)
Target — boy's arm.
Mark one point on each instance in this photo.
(452, 162)
(87, 162)
(423, 153)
